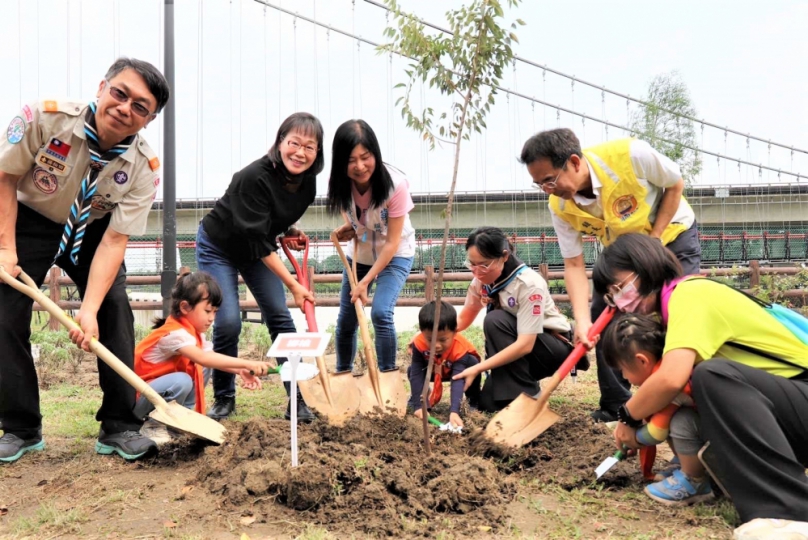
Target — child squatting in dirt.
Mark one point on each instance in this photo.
(453, 354)
(172, 356)
(634, 343)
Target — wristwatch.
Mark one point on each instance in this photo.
(624, 417)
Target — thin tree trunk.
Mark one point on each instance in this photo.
(439, 293)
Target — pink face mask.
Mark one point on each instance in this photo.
(628, 298)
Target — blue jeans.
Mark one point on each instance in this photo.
(264, 285)
(176, 386)
(388, 285)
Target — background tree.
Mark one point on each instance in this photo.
(662, 124)
(467, 66)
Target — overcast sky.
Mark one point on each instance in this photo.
(242, 68)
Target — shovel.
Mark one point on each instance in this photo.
(527, 417)
(304, 372)
(448, 426)
(333, 395)
(608, 463)
(376, 389)
(171, 414)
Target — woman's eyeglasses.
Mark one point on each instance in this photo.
(296, 146)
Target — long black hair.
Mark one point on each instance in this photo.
(653, 263)
(193, 287)
(307, 124)
(348, 136)
(490, 242)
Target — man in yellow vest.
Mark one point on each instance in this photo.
(618, 187)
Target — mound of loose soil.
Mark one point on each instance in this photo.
(374, 475)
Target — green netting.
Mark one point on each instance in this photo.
(720, 245)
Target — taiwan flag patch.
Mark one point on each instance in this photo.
(58, 149)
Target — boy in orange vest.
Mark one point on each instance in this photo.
(453, 354)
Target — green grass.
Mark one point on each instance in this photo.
(268, 402)
(52, 519)
(69, 411)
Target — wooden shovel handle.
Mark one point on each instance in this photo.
(30, 289)
(370, 353)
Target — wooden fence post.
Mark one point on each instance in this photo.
(544, 270)
(55, 293)
(429, 283)
(754, 274)
(311, 273)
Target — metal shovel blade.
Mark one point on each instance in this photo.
(304, 371)
(607, 464)
(522, 421)
(394, 394)
(178, 417)
(345, 398)
(368, 402)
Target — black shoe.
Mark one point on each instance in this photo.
(604, 416)
(583, 364)
(12, 447)
(222, 408)
(130, 445)
(304, 414)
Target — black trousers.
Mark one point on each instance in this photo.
(37, 243)
(757, 425)
(614, 389)
(505, 383)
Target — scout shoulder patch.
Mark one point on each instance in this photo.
(16, 130)
(28, 113)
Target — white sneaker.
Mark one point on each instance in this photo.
(772, 529)
(155, 431)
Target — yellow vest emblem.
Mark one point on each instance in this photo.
(622, 198)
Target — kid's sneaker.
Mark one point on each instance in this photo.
(680, 490)
(673, 465)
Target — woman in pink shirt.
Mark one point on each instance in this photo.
(374, 199)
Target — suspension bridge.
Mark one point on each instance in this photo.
(244, 65)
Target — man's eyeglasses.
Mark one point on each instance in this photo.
(548, 185)
(122, 97)
(308, 150)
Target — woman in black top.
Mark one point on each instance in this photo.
(263, 201)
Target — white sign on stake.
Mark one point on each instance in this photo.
(293, 347)
(308, 344)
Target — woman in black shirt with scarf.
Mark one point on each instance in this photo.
(264, 200)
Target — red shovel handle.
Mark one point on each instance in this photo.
(302, 274)
(580, 350)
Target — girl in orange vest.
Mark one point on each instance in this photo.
(453, 353)
(172, 356)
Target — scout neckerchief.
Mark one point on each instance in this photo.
(512, 268)
(80, 211)
(443, 363)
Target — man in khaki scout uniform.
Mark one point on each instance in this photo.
(76, 181)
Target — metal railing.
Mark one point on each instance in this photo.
(428, 279)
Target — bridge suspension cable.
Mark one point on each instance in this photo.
(602, 88)
(558, 108)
